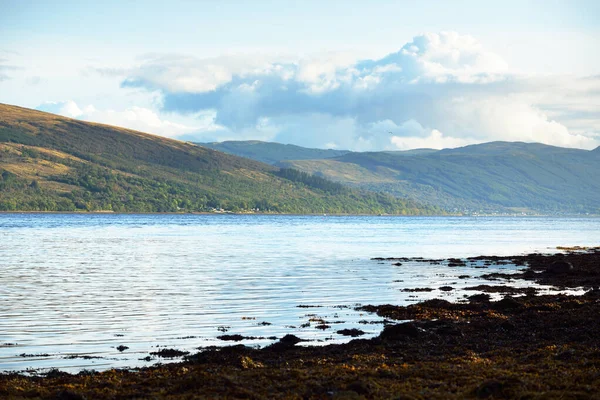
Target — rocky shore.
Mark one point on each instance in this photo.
(522, 346)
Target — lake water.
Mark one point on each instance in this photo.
(74, 287)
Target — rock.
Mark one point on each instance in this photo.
(479, 298)
(445, 328)
(418, 290)
(529, 274)
(55, 373)
(290, 339)
(507, 303)
(456, 262)
(436, 303)
(400, 331)
(351, 332)
(233, 338)
(285, 343)
(559, 267)
(170, 353)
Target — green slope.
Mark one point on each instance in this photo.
(52, 163)
(271, 153)
(498, 176)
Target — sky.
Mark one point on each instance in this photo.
(357, 75)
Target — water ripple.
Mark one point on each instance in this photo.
(73, 286)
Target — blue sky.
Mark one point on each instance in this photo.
(339, 74)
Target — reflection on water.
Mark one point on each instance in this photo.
(75, 287)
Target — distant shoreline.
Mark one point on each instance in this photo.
(219, 213)
(515, 215)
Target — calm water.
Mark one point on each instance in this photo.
(79, 286)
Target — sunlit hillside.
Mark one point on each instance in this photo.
(52, 163)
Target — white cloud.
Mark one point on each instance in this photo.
(511, 118)
(441, 89)
(177, 73)
(136, 118)
(435, 140)
(67, 108)
(323, 74)
(141, 119)
(449, 56)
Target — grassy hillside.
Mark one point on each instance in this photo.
(52, 163)
(272, 153)
(497, 176)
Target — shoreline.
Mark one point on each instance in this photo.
(520, 346)
(307, 215)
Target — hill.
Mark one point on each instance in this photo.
(52, 163)
(271, 153)
(490, 177)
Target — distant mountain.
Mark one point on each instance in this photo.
(497, 176)
(511, 148)
(488, 177)
(272, 153)
(52, 163)
(413, 152)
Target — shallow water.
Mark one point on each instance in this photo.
(76, 285)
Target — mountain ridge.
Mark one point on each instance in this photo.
(271, 152)
(500, 147)
(499, 176)
(54, 163)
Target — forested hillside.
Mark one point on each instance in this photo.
(491, 177)
(52, 163)
(272, 153)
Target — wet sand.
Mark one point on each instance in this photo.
(522, 346)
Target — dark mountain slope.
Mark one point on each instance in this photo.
(272, 153)
(498, 176)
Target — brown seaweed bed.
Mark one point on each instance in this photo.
(525, 346)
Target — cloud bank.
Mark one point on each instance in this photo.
(439, 90)
(137, 118)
